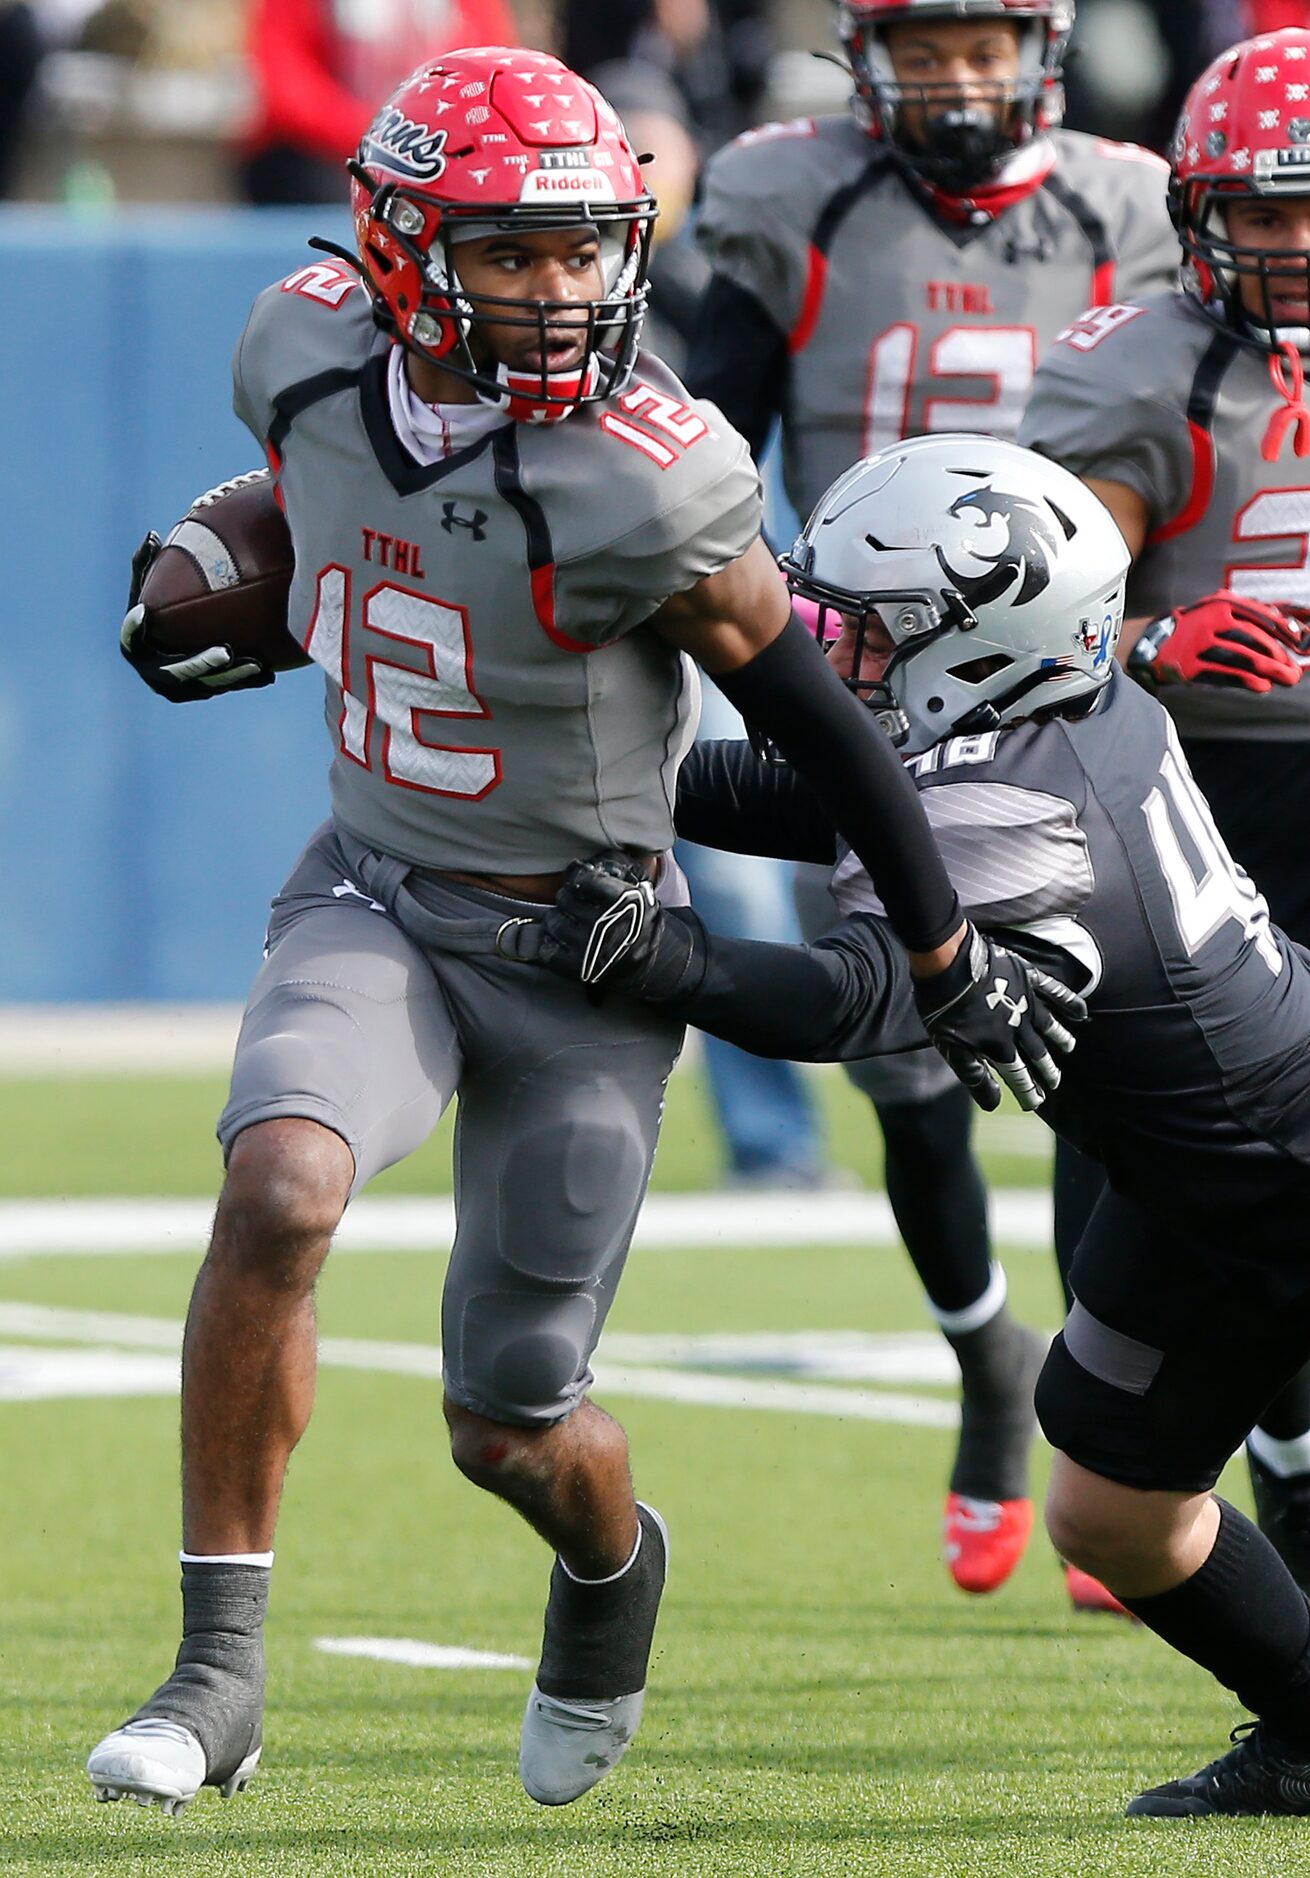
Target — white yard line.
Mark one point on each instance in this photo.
(416, 1655)
(1021, 1219)
(627, 1365)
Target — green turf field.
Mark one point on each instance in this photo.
(823, 1701)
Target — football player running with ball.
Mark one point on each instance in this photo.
(1186, 413)
(979, 592)
(895, 270)
(510, 530)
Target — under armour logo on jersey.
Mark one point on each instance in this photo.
(348, 890)
(1000, 998)
(451, 519)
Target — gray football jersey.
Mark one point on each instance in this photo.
(1161, 398)
(494, 701)
(899, 321)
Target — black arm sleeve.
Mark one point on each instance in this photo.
(845, 997)
(728, 798)
(788, 692)
(737, 359)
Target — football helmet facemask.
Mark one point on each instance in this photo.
(970, 582)
(963, 142)
(491, 141)
(1244, 131)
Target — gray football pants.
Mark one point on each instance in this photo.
(364, 1019)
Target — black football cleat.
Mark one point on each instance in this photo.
(1259, 1775)
(1282, 1511)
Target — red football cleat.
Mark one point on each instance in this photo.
(1089, 1594)
(985, 1539)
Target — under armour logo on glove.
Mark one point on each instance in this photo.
(1008, 1032)
(1001, 995)
(607, 929)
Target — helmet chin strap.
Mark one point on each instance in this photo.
(543, 397)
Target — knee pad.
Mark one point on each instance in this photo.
(569, 1194)
(521, 1358)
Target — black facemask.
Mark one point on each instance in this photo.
(961, 148)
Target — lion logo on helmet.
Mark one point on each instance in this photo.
(1027, 546)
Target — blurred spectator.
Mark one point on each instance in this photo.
(1266, 16)
(20, 59)
(655, 116)
(320, 68)
(715, 51)
(1134, 59)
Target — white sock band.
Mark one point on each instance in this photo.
(981, 1311)
(632, 1559)
(227, 1558)
(1283, 1458)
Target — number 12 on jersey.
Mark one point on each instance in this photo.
(425, 671)
(1005, 355)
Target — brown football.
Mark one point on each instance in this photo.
(223, 577)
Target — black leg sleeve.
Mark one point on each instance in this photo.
(1242, 1617)
(1078, 1185)
(936, 1192)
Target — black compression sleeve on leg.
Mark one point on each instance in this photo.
(937, 1196)
(788, 693)
(1243, 1617)
(1077, 1185)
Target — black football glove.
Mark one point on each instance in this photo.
(606, 929)
(992, 1015)
(181, 677)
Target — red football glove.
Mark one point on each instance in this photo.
(1225, 640)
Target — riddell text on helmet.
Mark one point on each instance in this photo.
(540, 183)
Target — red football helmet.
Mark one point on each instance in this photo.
(473, 144)
(961, 145)
(1244, 131)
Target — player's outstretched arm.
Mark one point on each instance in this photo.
(737, 624)
(847, 996)
(181, 677)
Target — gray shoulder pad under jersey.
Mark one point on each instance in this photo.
(1125, 188)
(1001, 813)
(1110, 399)
(646, 495)
(318, 319)
(762, 197)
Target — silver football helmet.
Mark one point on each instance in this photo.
(971, 584)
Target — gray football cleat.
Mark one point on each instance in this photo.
(203, 1727)
(159, 1763)
(586, 1703)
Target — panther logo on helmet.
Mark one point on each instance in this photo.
(1025, 557)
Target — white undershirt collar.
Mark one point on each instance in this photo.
(433, 432)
